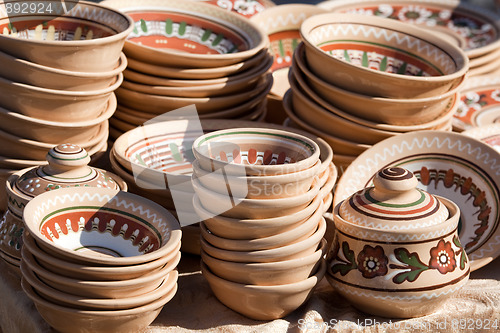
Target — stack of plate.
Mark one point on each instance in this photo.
(184, 53)
(258, 192)
(63, 91)
(357, 80)
(473, 28)
(95, 260)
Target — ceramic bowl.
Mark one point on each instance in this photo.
(393, 111)
(258, 151)
(66, 319)
(267, 274)
(100, 32)
(258, 187)
(248, 9)
(298, 233)
(287, 252)
(97, 272)
(11, 234)
(233, 206)
(165, 38)
(263, 302)
(120, 228)
(113, 289)
(253, 228)
(378, 57)
(55, 105)
(23, 71)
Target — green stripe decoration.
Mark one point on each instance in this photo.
(169, 26)
(182, 28)
(295, 43)
(402, 68)
(144, 27)
(281, 47)
(206, 35)
(176, 154)
(385, 204)
(383, 64)
(364, 59)
(346, 56)
(218, 39)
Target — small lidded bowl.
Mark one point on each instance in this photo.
(396, 251)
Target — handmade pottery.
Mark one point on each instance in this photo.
(454, 166)
(247, 8)
(396, 251)
(263, 302)
(66, 319)
(162, 34)
(489, 134)
(95, 31)
(120, 228)
(386, 59)
(11, 232)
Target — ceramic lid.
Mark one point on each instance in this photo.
(68, 167)
(394, 203)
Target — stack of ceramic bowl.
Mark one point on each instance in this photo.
(473, 28)
(67, 167)
(356, 80)
(57, 78)
(99, 260)
(156, 162)
(258, 195)
(191, 53)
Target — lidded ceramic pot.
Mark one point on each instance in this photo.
(396, 251)
(67, 167)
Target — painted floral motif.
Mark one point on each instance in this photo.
(460, 252)
(414, 14)
(372, 261)
(443, 258)
(473, 103)
(345, 259)
(243, 7)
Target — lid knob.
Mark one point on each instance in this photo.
(65, 158)
(395, 184)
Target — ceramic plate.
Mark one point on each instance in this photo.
(480, 103)
(473, 28)
(489, 134)
(451, 165)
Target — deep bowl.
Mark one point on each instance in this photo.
(380, 57)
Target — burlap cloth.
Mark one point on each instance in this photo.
(194, 308)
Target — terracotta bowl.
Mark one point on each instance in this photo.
(55, 105)
(263, 302)
(300, 232)
(233, 206)
(102, 289)
(103, 233)
(258, 151)
(103, 46)
(97, 272)
(30, 73)
(393, 111)
(253, 228)
(379, 57)
(11, 231)
(67, 320)
(55, 132)
(287, 252)
(225, 39)
(87, 303)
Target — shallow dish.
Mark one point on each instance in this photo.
(450, 165)
(489, 134)
(101, 30)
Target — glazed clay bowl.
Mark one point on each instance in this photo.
(378, 57)
(297, 234)
(427, 265)
(118, 228)
(247, 229)
(97, 272)
(233, 206)
(258, 187)
(55, 132)
(162, 34)
(263, 302)
(112, 289)
(255, 151)
(55, 105)
(66, 319)
(11, 234)
(392, 111)
(291, 251)
(102, 32)
(23, 71)
(270, 273)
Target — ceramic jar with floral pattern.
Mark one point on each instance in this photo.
(396, 251)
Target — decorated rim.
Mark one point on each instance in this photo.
(479, 103)
(247, 8)
(489, 134)
(78, 222)
(445, 58)
(479, 28)
(459, 168)
(231, 23)
(81, 25)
